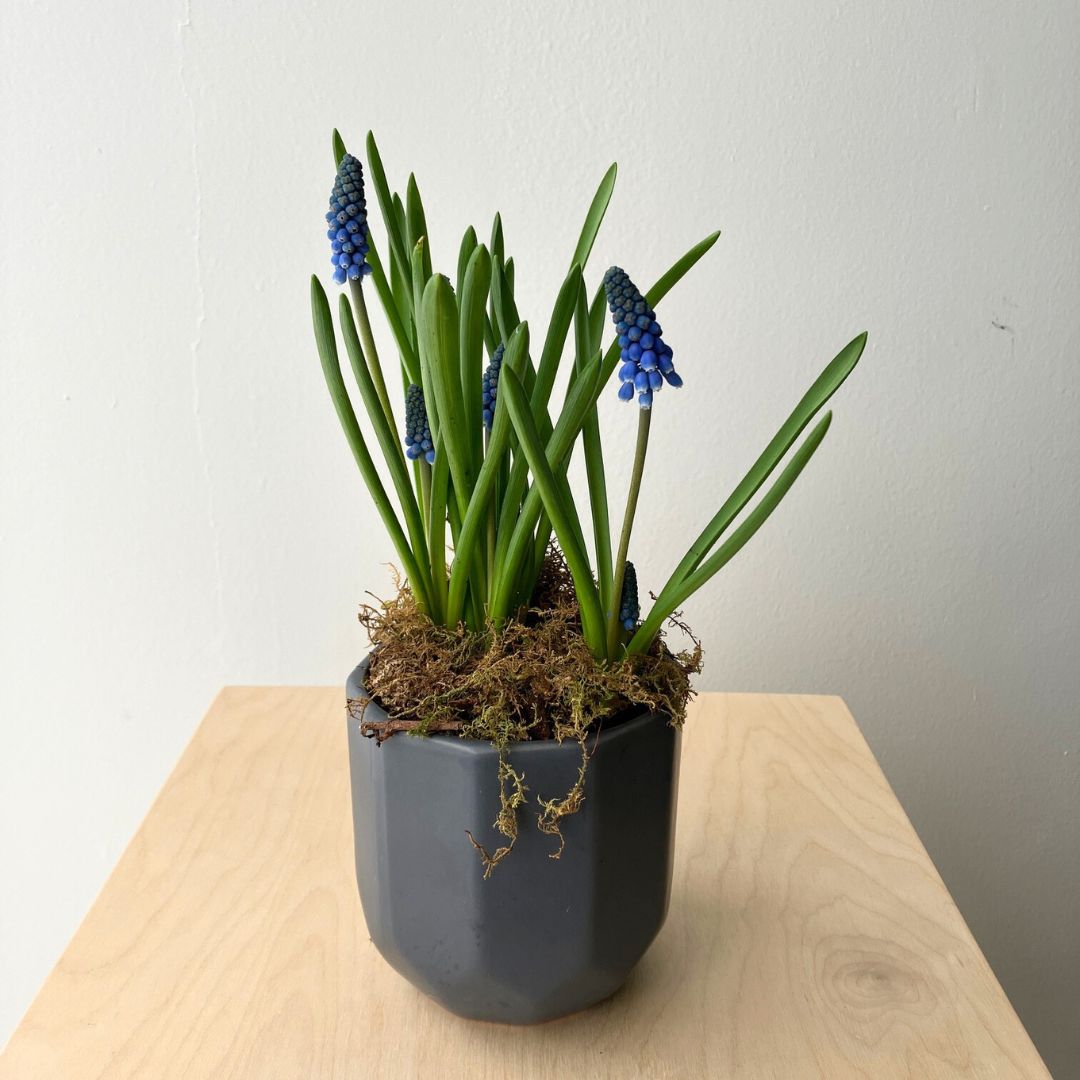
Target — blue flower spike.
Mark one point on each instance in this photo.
(417, 432)
(646, 357)
(346, 221)
(491, 386)
(629, 611)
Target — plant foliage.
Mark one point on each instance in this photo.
(478, 485)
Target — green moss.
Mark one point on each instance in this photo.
(532, 678)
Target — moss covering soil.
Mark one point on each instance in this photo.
(532, 678)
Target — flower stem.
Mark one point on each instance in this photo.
(372, 354)
(615, 597)
(425, 489)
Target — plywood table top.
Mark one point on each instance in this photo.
(809, 933)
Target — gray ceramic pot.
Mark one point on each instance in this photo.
(541, 937)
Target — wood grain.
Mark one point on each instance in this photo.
(809, 936)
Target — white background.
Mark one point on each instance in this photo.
(178, 508)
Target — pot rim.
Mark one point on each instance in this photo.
(448, 742)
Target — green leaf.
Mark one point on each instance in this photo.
(560, 508)
(409, 360)
(476, 516)
(395, 235)
(418, 281)
(594, 217)
(516, 539)
(497, 248)
(439, 333)
(587, 344)
(401, 289)
(472, 301)
(339, 148)
(597, 316)
(561, 317)
(416, 222)
(328, 355)
(678, 270)
(440, 484)
(468, 246)
(826, 384)
(498, 256)
(387, 437)
(668, 602)
(502, 296)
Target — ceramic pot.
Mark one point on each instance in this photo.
(541, 937)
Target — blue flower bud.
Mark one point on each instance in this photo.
(646, 357)
(490, 386)
(417, 433)
(347, 218)
(629, 611)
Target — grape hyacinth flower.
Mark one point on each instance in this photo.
(417, 433)
(629, 610)
(347, 221)
(646, 357)
(491, 386)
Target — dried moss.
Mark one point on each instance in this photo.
(532, 678)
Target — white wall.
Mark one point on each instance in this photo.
(179, 509)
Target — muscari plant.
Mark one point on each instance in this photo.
(475, 453)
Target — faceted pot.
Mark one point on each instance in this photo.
(540, 937)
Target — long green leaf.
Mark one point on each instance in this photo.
(506, 313)
(439, 330)
(419, 282)
(560, 508)
(409, 360)
(388, 440)
(395, 234)
(416, 222)
(585, 345)
(561, 316)
(401, 290)
(825, 385)
(753, 521)
(472, 302)
(597, 316)
(594, 217)
(328, 355)
(440, 483)
(476, 516)
(339, 147)
(513, 555)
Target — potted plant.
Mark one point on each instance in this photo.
(514, 733)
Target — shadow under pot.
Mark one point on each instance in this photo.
(540, 937)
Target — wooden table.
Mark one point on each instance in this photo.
(809, 934)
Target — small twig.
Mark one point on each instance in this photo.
(381, 730)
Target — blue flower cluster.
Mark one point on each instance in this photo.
(646, 358)
(491, 386)
(347, 221)
(417, 433)
(629, 610)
